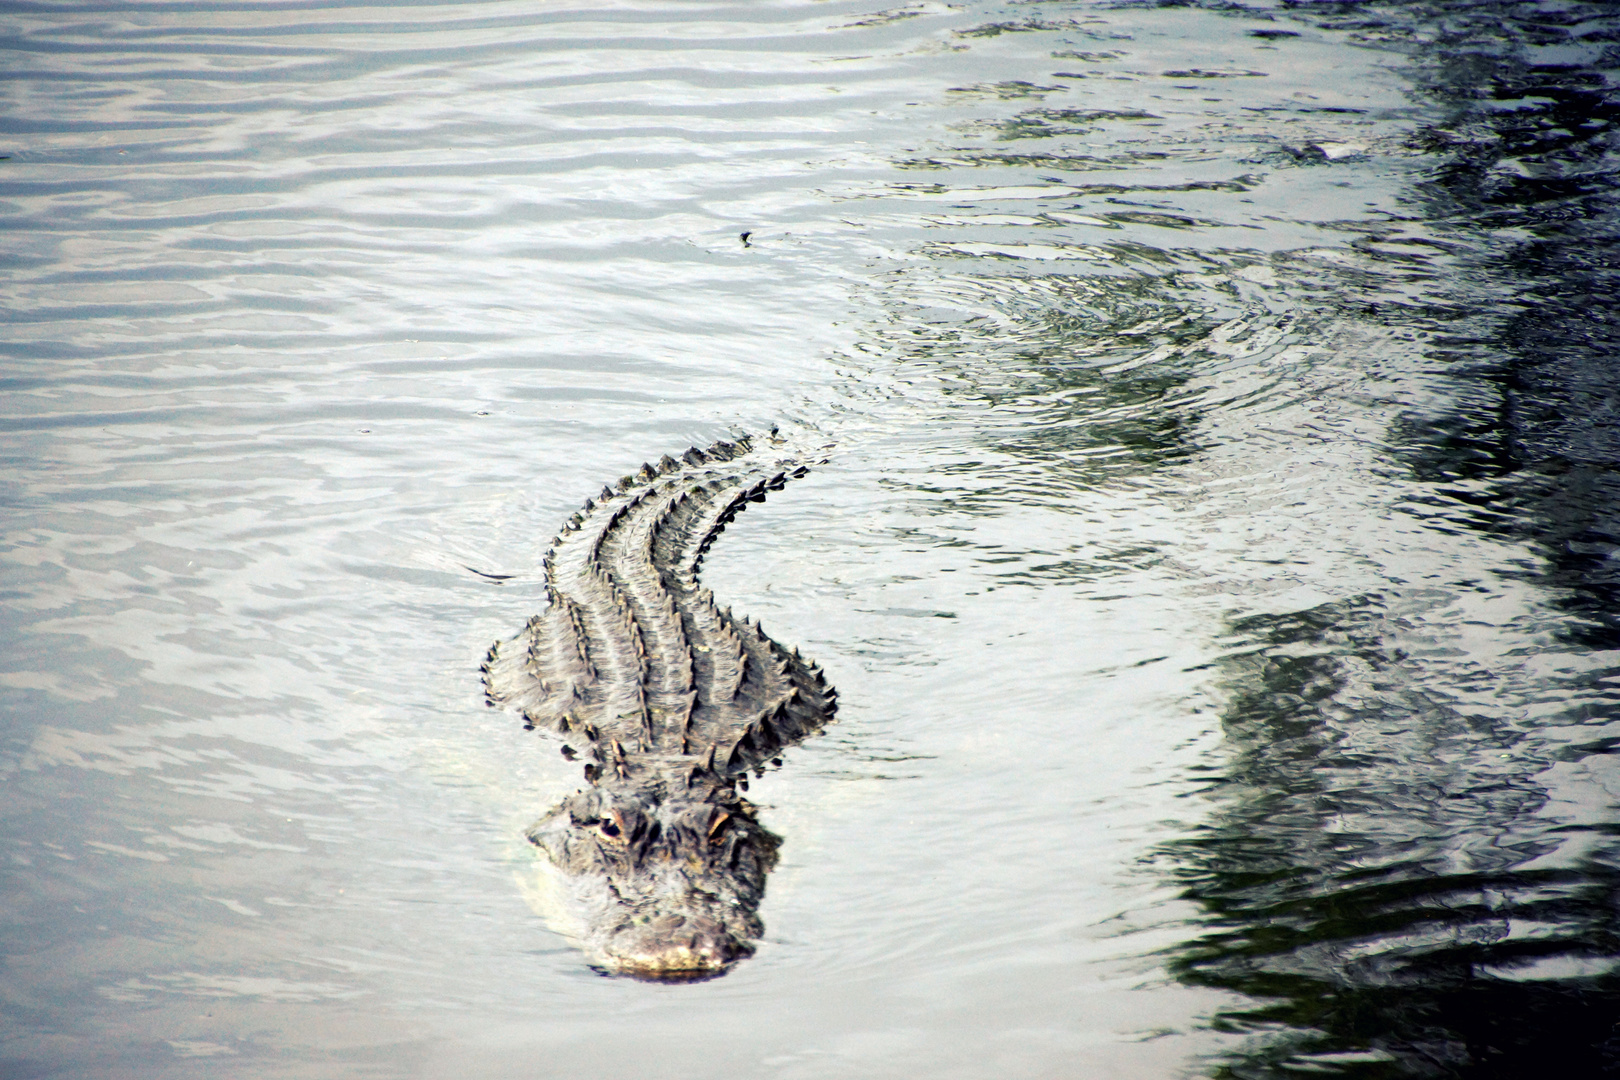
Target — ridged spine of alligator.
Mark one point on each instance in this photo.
(632, 664)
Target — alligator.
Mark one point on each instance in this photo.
(669, 701)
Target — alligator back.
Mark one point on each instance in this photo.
(632, 664)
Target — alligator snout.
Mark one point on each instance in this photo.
(675, 948)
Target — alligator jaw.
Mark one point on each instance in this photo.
(673, 949)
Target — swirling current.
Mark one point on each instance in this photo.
(1215, 555)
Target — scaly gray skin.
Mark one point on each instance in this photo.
(670, 701)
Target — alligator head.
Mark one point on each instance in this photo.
(664, 882)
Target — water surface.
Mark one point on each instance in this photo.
(1214, 558)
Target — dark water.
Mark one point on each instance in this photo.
(1214, 559)
(1413, 868)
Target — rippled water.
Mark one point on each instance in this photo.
(1215, 559)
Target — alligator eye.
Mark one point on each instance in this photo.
(615, 828)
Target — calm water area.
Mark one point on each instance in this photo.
(1216, 556)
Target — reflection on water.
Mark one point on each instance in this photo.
(1411, 868)
(1214, 561)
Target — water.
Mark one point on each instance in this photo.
(1214, 562)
